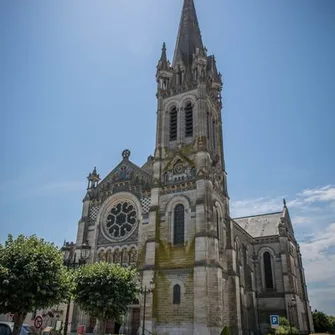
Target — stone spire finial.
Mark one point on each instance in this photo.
(163, 56)
(163, 63)
(93, 179)
(284, 202)
(189, 40)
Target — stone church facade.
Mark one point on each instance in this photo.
(170, 217)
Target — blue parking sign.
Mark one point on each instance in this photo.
(274, 320)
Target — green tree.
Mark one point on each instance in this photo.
(284, 328)
(332, 324)
(32, 276)
(322, 322)
(105, 290)
(284, 322)
(225, 331)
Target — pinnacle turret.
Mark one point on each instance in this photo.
(164, 72)
(93, 179)
(163, 63)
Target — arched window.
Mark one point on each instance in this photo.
(195, 74)
(179, 75)
(176, 294)
(189, 120)
(178, 224)
(267, 270)
(109, 256)
(217, 221)
(208, 129)
(173, 124)
(214, 134)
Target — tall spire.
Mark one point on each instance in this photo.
(189, 36)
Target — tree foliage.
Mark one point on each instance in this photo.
(105, 290)
(284, 330)
(285, 327)
(32, 276)
(225, 331)
(332, 324)
(323, 323)
(284, 322)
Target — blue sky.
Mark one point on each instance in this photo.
(77, 86)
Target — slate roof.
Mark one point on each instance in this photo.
(260, 225)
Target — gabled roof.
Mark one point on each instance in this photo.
(260, 225)
(124, 171)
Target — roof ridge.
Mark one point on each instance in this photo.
(251, 216)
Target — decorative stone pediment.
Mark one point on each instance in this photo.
(179, 169)
(126, 171)
(180, 160)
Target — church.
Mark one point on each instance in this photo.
(170, 218)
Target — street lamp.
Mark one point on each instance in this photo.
(70, 262)
(146, 291)
(291, 305)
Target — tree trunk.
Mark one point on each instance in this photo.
(102, 326)
(18, 321)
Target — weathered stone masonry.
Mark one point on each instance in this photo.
(170, 218)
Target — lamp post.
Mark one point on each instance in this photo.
(71, 263)
(145, 291)
(291, 305)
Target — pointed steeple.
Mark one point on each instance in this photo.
(163, 63)
(189, 36)
(163, 56)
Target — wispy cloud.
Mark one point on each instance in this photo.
(319, 255)
(326, 193)
(313, 196)
(319, 260)
(306, 200)
(256, 206)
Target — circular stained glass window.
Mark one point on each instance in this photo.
(121, 219)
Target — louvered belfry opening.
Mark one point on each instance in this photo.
(173, 124)
(189, 120)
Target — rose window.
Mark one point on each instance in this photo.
(121, 220)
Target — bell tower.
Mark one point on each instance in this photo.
(189, 96)
(189, 102)
(191, 226)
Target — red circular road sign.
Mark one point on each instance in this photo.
(38, 322)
